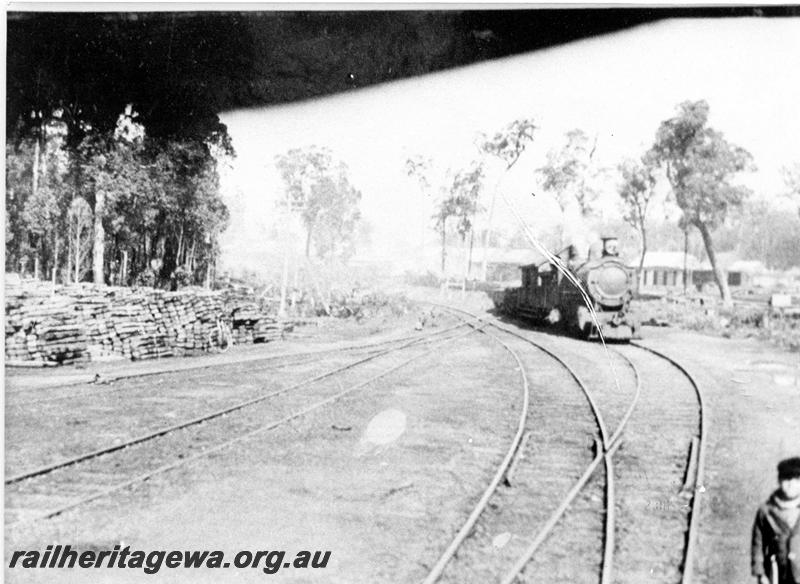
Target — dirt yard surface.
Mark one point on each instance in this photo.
(753, 410)
(383, 477)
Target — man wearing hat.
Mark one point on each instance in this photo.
(776, 532)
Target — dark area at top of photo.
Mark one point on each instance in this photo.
(180, 69)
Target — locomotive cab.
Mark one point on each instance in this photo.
(610, 247)
(540, 291)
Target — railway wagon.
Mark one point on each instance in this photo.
(548, 295)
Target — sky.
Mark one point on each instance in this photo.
(617, 88)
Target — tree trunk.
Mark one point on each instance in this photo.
(35, 188)
(685, 258)
(308, 242)
(35, 185)
(77, 250)
(444, 248)
(466, 264)
(644, 252)
(468, 259)
(487, 235)
(285, 281)
(296, 285)
(317, 288)
(179, 260)
(124, 272)
(56, 245)
(719, 275)
(471, 246)
(99, 238)
(71, 255)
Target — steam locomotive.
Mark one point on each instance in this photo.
(549, 295)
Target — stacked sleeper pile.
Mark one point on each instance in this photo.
(80, 323)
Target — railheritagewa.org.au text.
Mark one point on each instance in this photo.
(151, 562)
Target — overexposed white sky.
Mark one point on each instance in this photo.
(617, 87)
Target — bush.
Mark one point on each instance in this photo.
(146, 278)
(181, 277)
(428, 279)
(707, 316)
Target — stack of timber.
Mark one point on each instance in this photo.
(77, 323)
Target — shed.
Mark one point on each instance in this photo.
(664, 270)
(739, 273)
(502, 265)
(744, 272)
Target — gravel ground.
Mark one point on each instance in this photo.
(386, 504)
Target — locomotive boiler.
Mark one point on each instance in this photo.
(549, 295)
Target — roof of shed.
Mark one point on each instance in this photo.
(668, 260)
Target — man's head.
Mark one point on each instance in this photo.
(789, 477)
(610, 246)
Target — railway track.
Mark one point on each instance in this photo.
(67, 483)
(682, 485)
(144, 381)
(508, 512)
(522, 532)
(545, 427)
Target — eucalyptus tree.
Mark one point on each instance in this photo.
(465, 193)
(112, 166)
(445, 209)
(79, 224)
(430, 180)
(19, 186)
(319, 191)
(339, 216)
(637, 192)
(569, 173)
(38, 167)
(507, 145)
(420, 169)
(700, 165)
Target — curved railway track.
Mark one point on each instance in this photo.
(615, 537)
(692, 487)
(108, 386)
(80, 479)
